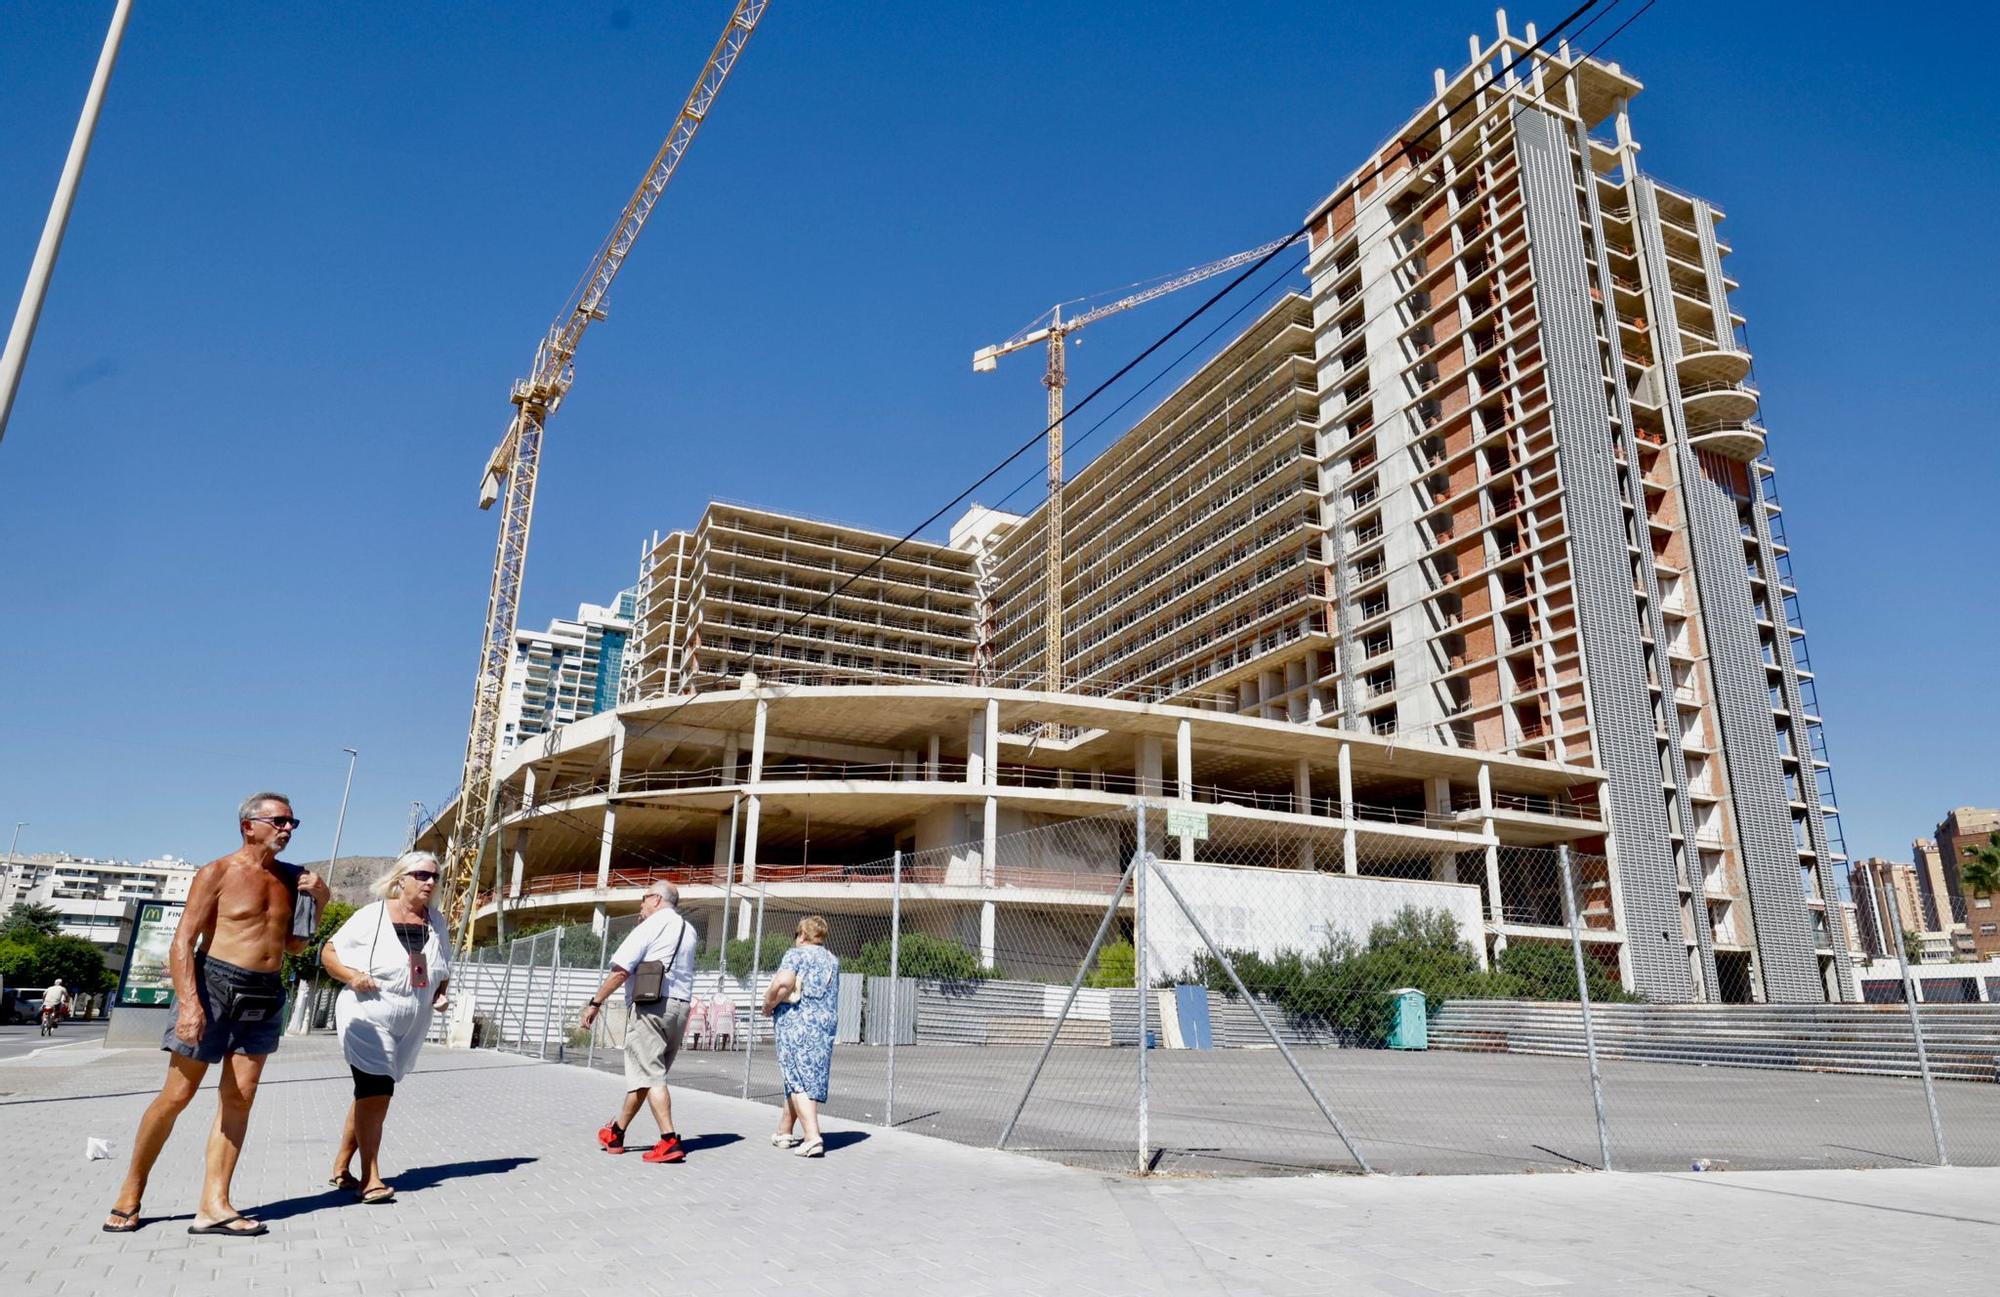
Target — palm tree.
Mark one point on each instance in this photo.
(1979, 867)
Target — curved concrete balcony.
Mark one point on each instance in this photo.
(1718, 401)
(1739, 440)
(1707, 362)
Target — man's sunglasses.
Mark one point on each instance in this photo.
(422, 876)
(275, 821)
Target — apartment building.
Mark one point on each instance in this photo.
(1958, 833)
(569, 671)
(1944, 903)
(747, 579)
(1878, 908)
(1546, 449)
(95, 899)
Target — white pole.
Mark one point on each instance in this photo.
(12, 843)
(756, 959)
(895, 980)
(22, 335)
(1139, 981)
(1916, 1023)
(1583, 1002)
(340, 821)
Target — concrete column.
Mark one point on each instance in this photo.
(753, 805)
(986, 926)
(933, 771)
(1184, 776)
(989, 843)
(1493, 895)
(1302, 795)
(732, 753)
(598, 919)
(1349, 857)
(520, 862)
(1148, 762)
(1444, 864)
(616, 773)
(992, 741)
(604, 847)
(975, 749)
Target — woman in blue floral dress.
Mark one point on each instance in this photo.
(805, 1028)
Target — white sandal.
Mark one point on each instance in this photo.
(787, 1141)
(815, 1149)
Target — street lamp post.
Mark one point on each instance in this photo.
(15, 358)
(340, 822)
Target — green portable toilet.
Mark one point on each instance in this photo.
(1409, 1029)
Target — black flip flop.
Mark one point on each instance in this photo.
(131, 1219)
(221, 1227)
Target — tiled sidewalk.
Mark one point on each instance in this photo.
(503, 1191)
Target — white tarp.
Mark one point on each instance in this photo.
(1268, 910)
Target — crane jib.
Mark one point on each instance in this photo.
(518, 456)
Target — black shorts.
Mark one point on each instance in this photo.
(367, 1085)
(245, 1012)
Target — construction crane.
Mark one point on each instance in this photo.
(509, 479)
(1050, 328)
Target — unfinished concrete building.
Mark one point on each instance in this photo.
(1495, 486)
(750, 583)
(1547, 487)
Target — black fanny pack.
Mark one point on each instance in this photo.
(254, 1006)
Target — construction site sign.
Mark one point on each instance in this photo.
(1186, 824)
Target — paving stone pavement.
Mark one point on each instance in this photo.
(503, 1191)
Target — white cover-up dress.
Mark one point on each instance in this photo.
(381, 1032)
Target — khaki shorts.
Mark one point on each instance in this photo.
(652, 1039)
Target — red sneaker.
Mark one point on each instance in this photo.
(612, 1137)
(667, 1150)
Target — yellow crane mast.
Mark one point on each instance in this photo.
(1053, 330)
(509, 478)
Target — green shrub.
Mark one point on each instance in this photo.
(1544, 970)
(737, 953)
(1352, 986)
(1117, 964)
(945, 959)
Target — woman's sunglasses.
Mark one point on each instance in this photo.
(422, 876)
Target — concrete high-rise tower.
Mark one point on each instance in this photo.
(1547, 498)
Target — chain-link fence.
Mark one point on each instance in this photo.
(1397, 998)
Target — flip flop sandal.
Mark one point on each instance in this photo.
(221, 1227)
(346, 1183)
(131, 1219)
(381, 1193)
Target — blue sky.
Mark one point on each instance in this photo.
(316, 243)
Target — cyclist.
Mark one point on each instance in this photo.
(55, 1003)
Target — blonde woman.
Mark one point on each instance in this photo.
(804, 1028)
(391, 955)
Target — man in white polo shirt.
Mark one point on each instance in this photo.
(655, 965)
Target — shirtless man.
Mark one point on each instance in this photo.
(228, 1007)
